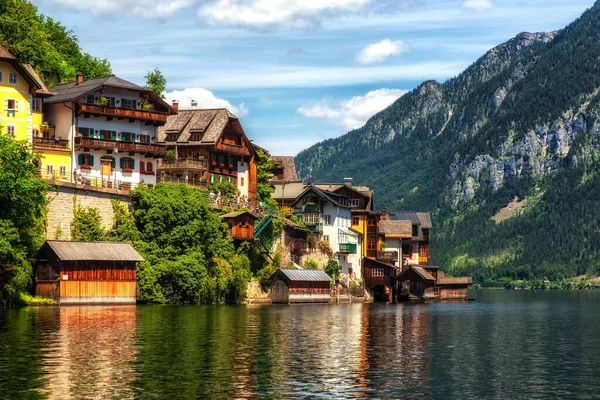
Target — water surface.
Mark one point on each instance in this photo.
(505, 345)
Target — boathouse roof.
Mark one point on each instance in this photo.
(92, 251)
(415, 273)
(303, 275)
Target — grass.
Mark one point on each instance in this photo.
(30, 300)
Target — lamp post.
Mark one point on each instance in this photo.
(115, 152)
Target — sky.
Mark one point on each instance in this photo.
(299, 72)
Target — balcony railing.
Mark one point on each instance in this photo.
(104, 144)
(179, 164)
(110, 111)
(50, 143)
(348, 247)
(232, 149)
(311, 208)
(387, 256)
(182, 181)
(315, 228)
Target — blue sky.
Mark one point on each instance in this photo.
(298, 72)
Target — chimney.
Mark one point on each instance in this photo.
(176, 105)
(79, 78)
(194, 104)
(348, 182)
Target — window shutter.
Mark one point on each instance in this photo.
(122, 163)
(113, 163)
(122, 102)
(80, 159)
(114, 135)
(22, 106)
(92, 160)
(132, 163)
(6, 104)
(112, 101)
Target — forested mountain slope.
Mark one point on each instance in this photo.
(505, 155)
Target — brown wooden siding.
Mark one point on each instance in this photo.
(96, 291)
(242, 228)
(47, 289)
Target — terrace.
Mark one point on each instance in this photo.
(106, 144)
(157, 117)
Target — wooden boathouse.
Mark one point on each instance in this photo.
(72, 272)
(300, 286)
(427, 282)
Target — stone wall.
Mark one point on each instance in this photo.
(60, 211)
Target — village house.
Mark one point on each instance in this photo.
(300, 286)
(415, 248)
(428, 282)
(110, 125)
(74, 272)
(206, 147)
(328, 216)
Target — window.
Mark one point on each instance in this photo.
(326, 238)
(10, 105)
(196, 137)
(142, 166)
(423, 251)
(311, 218)
(86, 159)
(415, 230)
(126, 136)
(90, 99)
(353, 202)
(12, 78)
(242, 181)
(11, 130)
(127, 162)
(377, 272)
(149, 166)
(36, 133)
(62, 170)
(372, 222)
(49, 169)
(371, 245)
(109, 135)
(128, 103)
(407, 249)
(355, 221)
(36, 105)
(213, 178)
(327, 220)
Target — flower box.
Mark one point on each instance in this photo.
(144, 172)
(214, 163)
(127, 170)
(85, 166)
(230, 165)
(221, 165)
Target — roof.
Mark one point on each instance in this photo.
(93, 251)
(71, 91)
(418, 270)
(324, 194)
(425, 219)
(304, 275)
(235, 214)
(288, 165)
(43, 89)
(295, 226)
(466, 280)
(405, 216)
(5, 54)
(396, 229)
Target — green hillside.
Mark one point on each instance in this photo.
(505, 155)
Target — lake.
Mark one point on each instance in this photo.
(505, 345)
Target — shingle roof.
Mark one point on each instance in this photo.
(329, 196)
(235, 214)
(93, 251)
(425, 219)
(5, 54)
(304, 275)
(71, 91)
(43, 89)
(418, 270)
(288, 165)
(405, 216)
(402, 229)
(211, 123)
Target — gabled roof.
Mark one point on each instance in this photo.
(405, 216)
(92, 251)
(235, 214)
(288, 165)
(43, 89)
(71, 91)
(5, 54)
(24, 69)
(396, 229)
(425, 219)
(413, 269)
(326, 195)
(302, 275)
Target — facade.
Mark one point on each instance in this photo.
(87, 272)
(240, 224)
(109, 126)
(284, 169)
(329, 217)
(300, 286)
(415, 249)
(208, 146)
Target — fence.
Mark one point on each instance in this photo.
(69, 177)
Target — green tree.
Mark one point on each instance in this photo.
(87, 225)
(311, 264)
(124, 228)
(333, 268)
(263, 179)
(156, 82)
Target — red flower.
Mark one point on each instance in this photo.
(127, 169)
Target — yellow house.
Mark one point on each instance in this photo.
(22, 93)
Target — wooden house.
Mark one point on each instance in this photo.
(427, 282)
(241, 224)
(87, 272)
(300, 286)
(379, 278)
(210, 146)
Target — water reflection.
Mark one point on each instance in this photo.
(522, 345)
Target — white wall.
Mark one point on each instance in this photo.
(242, 170)
(131, 177)
(60, 116)
(101, 123)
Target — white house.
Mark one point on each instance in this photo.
(111, 125)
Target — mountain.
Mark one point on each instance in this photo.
(506, 156)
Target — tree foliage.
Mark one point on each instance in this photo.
(87, 224)
(263, 178)
(333, 268)
(47, 45)
(156, 82)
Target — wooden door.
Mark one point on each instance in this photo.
(106, 168)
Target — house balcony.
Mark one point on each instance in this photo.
(423, 259)
(50, 143)
(348, 248)
(311, 208)
(182, 164)
(387, 256)
(105, 144)
(315, 228)
(232, 149)
(157, 117)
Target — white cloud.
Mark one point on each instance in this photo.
(354, 112)
(151, 9)
(478, 5)
(377, 52)
(205, 99)
(269, 14)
